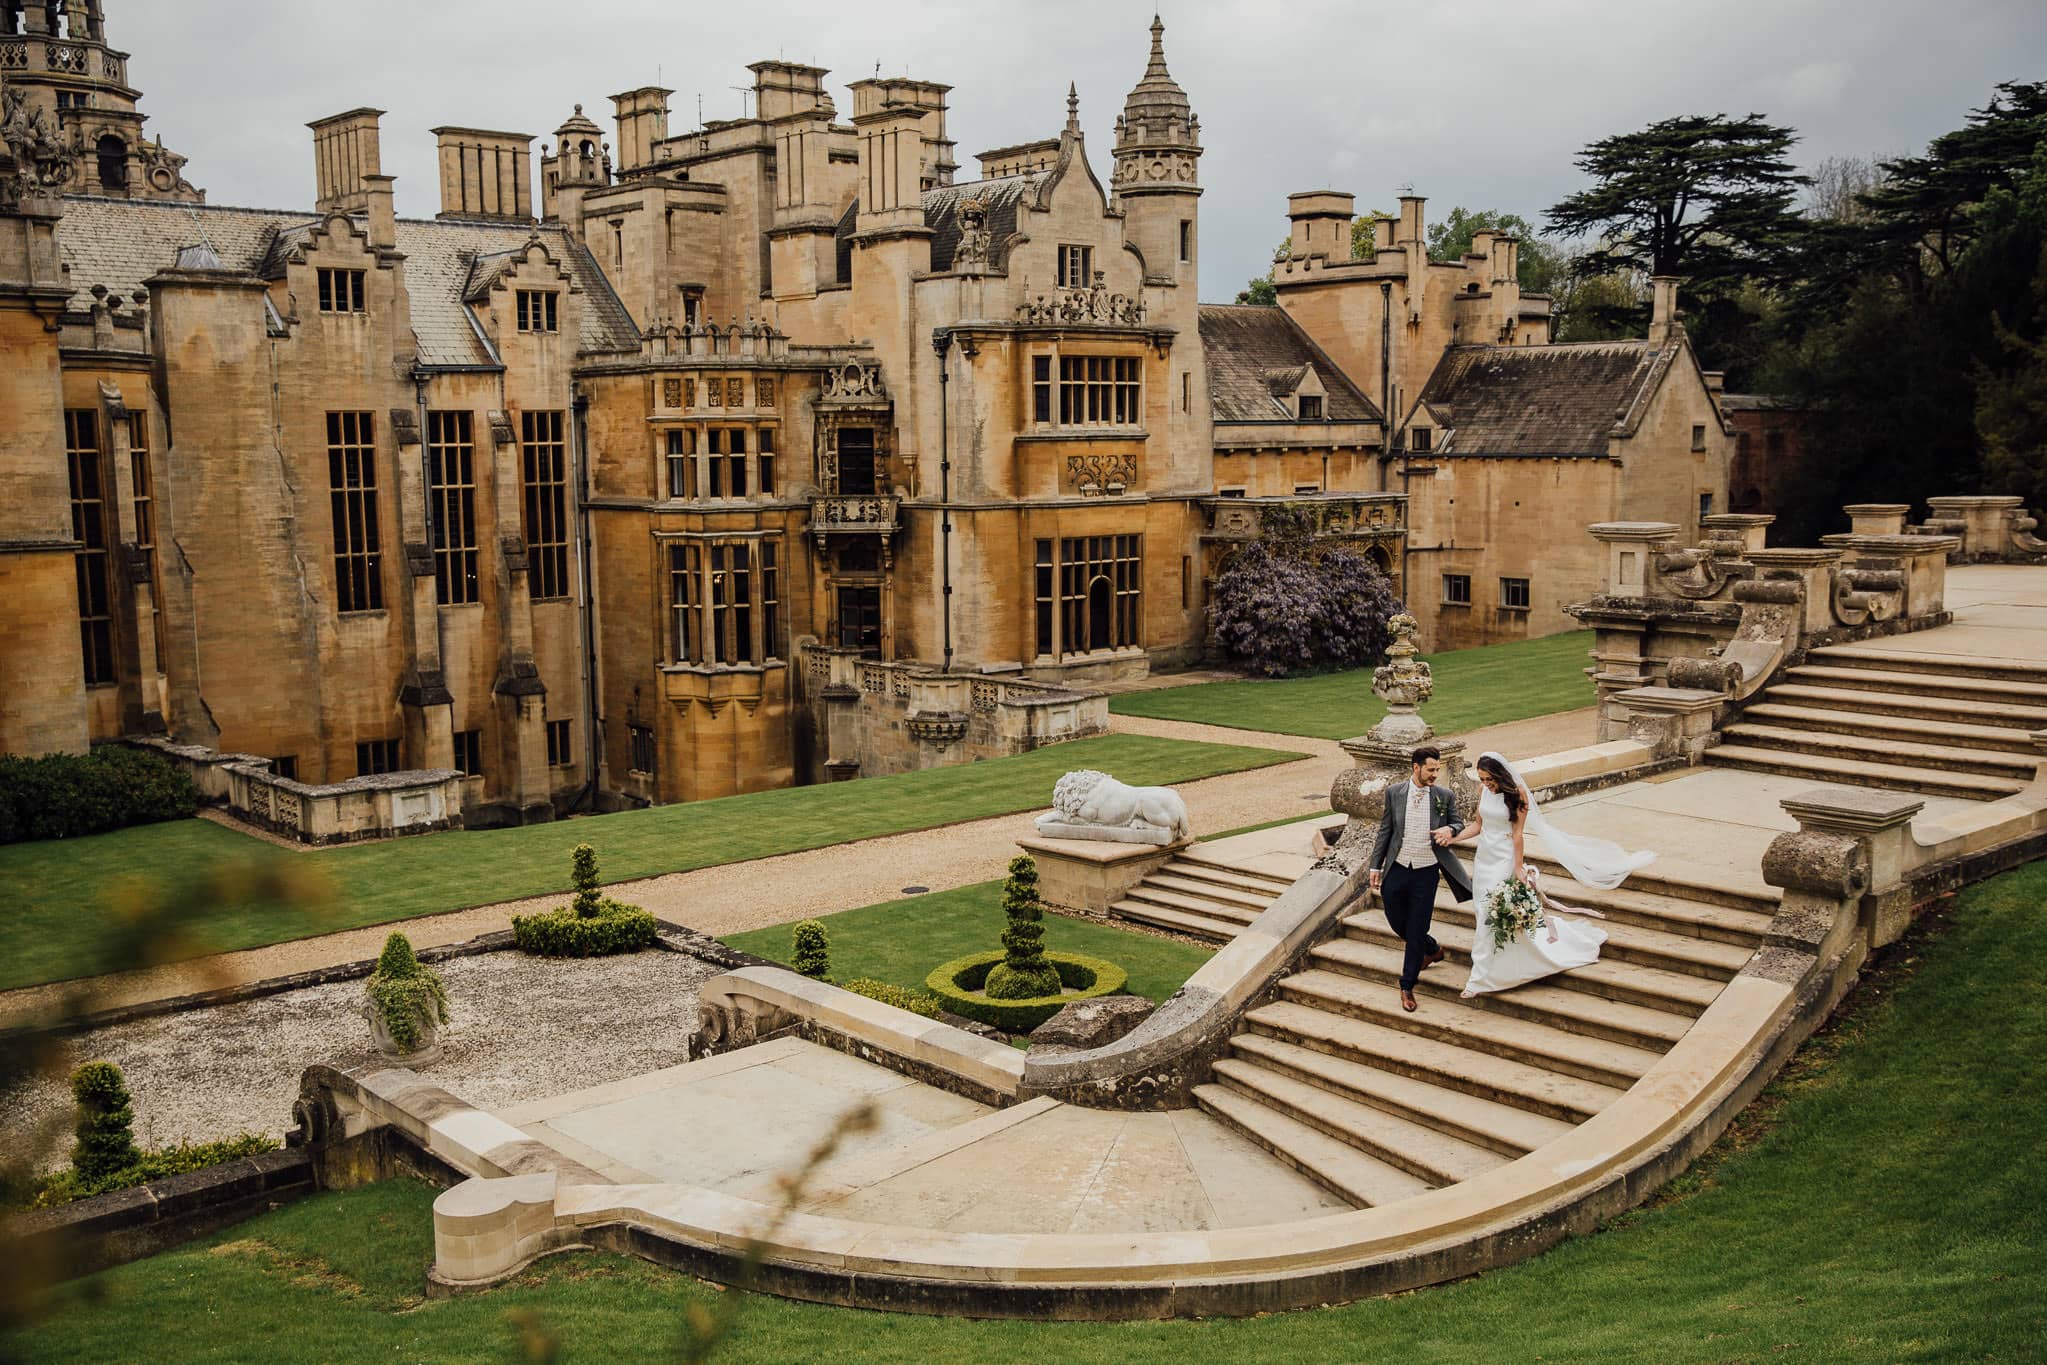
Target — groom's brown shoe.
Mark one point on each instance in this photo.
(1433, 958)
(1407, 1002)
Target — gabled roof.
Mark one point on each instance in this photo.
(1254, 353)
(1001, 199)
(121, 243)
(1562, 400)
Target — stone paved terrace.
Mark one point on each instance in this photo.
(1341, 1147)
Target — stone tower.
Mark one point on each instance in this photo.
(1158, 190)
(57, 60)
(1158, 151)
(579, 164)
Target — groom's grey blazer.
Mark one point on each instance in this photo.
(1393, 830)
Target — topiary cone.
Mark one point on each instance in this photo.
(106, 1119)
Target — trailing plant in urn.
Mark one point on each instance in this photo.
(405, 997)
(1023, 973)
(106, 1117)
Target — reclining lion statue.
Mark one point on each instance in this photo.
(1093, 805)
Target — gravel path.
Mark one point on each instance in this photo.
(521, 1028)
(779, 890)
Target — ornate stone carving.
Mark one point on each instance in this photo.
(1085, 304)
(855, 381)
(1403, 683)
(671, 393)
(971, 253)
(41, 159)
(986, 695)
(937, 727)
(1099, 474)
(1093, 805)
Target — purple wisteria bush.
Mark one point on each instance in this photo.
(1285, 605)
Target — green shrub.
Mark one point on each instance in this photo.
(65, 796)
(811, 950)
(561, 932)
(66, 1186)
(106, 1121)
(592, 925)
(405, 994)
(583, 872)
(888, 993)
(958, 986)
(1024, 973)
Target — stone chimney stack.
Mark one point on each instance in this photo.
(346, 157)
(1662, 308)
(1321, 224)
(486, 175)
(642, 125)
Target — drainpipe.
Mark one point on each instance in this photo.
(1386, 370)
(941, 342)
(580, 443)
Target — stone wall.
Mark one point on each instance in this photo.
(413, 802)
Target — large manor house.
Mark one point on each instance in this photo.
(664, 466)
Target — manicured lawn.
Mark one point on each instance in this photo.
(60, 892)
(1474, 688)
(1881, 1203)
(901, 941)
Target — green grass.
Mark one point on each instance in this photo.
(1881, 1203)
(901, 941)
(62, 892)
(1474, 688)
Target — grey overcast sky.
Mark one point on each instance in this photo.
(1479, 105)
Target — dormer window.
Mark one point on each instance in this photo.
(1418, 440)
(537, 311)
(1311, 407)
(1075, 266)
(341, 291)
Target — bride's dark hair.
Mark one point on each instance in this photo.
(1510, 786)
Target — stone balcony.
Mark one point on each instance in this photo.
(865, 514)
(58, 56)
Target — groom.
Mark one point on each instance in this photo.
(1407, 858)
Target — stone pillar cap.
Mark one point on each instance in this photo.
(1977, 500)
(1850, 811)
(1633, 530)
(1873, 508)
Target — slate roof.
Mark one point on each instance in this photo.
(121, 243)
(1002, 198)
(1251, 351)
(1538, 400)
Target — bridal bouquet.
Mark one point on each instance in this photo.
(1512, 909)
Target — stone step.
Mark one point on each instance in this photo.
(1344, 1170)
(1927, 683)
(1855, 773)
(1561, 1007)
(1901, 753)
(1179, 921)
(1192, 905)
(1663, 886)
(1195, 858)
(1253, 901)
(1629, 982)
(1475, 1024)
(1911, 661)
(1567, 1098)
(1257, 883)
(1661, 949)
(1497, 1127)
(1910, 729)
(1429, 1155)
(1722, 923)
(1910, 704)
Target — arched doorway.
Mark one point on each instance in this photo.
(1101, 613)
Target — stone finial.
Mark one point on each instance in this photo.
(1403, 683)
(1073, 108)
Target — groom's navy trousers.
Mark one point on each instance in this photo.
(1409, 894)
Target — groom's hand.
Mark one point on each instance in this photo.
(1443, 835)
(1375, 879)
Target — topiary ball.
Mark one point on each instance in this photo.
(1008, 983)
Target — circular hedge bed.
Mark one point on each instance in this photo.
(957, 984)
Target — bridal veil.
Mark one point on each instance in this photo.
(1591, 861)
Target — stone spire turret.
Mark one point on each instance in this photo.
(1158, 136)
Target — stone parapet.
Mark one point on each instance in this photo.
(414, 801)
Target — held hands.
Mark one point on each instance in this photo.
(1444, 836)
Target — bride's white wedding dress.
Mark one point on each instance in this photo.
(1568, 941)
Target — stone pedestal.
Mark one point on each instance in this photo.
(1878, 825)
(1360, 791)
(1677, 722)
(1091, 875)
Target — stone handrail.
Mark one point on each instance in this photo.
(1157, 1064)
(741, 1007)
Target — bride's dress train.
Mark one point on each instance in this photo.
(1568, 941)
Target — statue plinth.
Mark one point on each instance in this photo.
(1385, 754)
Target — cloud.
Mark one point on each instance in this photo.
(1816, 85)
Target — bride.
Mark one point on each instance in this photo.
(1507, 812)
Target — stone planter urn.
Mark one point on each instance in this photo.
(426, 1053)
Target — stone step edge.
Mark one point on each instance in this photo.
(1389, 1138)
(1995, 738)
(1313, 1153)
(1681, 993)
(1931, 781)
(1818, 742)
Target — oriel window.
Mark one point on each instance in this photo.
(1041, 389)
(89, 529)
(451, 484)
(764, 459)
(545, 457)
(1100, 391)
(352, 485)
(682, 463)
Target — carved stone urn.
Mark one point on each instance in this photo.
(1384, 754)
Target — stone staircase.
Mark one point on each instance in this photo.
(1939, 725)
(1201, 897)
(1377, 1104)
